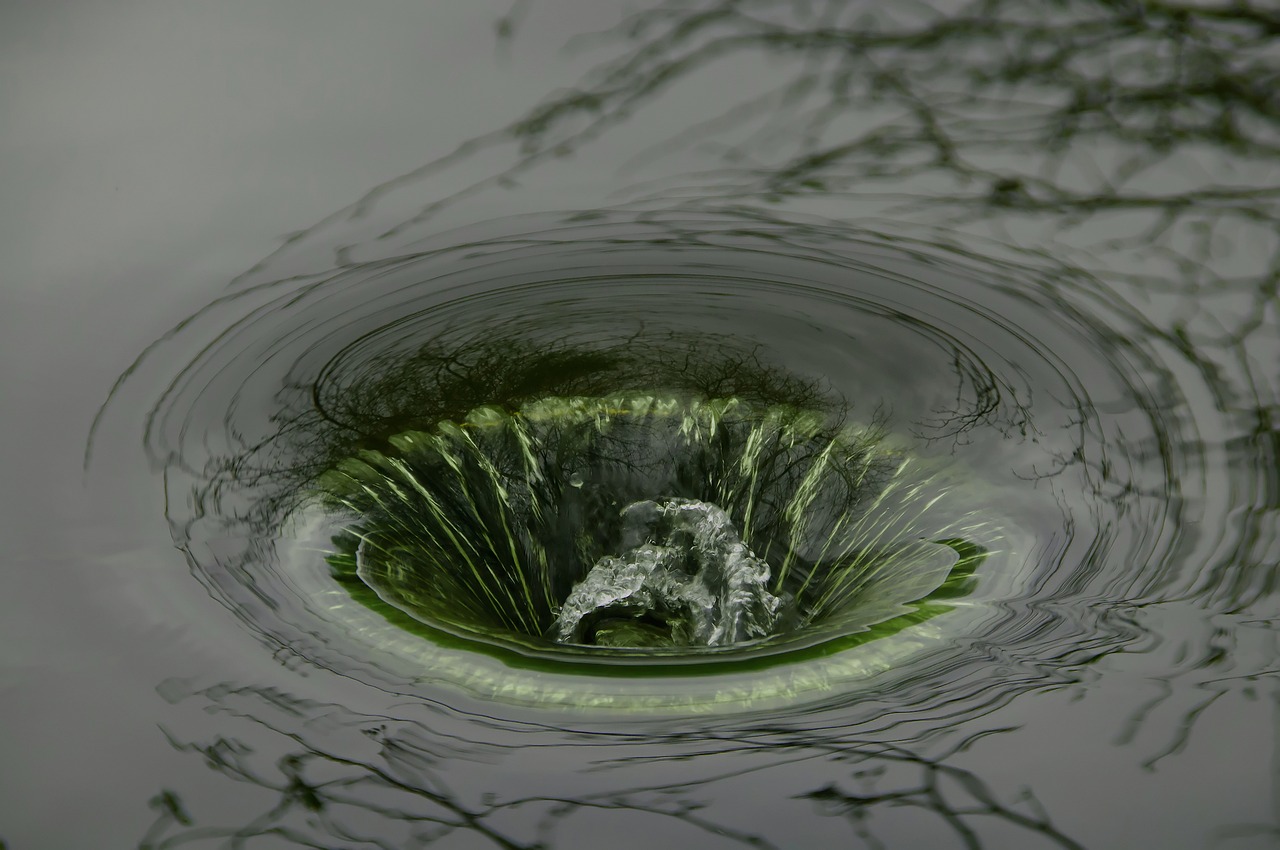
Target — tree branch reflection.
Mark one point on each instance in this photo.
(398, 792)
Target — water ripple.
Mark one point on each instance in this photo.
(1061, 430)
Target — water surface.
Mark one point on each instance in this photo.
(1074, 323)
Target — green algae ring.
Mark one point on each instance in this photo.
(647, 535)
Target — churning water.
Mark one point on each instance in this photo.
(479, 420)
(732, 521)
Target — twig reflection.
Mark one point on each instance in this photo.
(399, 794)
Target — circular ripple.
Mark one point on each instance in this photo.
(1024, 413)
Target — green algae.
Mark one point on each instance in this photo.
(473, 533)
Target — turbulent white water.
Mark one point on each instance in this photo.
(685, 574)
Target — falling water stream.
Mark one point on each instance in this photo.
(538, 500)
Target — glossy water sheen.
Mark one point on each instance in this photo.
(1064, 317)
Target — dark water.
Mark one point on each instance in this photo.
(1036, 246)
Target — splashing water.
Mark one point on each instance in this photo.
(699, 586)
(736, 524)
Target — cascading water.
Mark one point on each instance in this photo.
(769, 524)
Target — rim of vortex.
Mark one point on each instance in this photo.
(547, 528)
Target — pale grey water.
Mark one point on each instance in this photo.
(153, 152)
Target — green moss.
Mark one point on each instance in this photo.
(603, 662)
(470, 534)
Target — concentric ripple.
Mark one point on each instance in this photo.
(406, 470)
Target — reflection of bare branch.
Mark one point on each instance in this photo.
(948, 88)
(402, 798)
(1213, 671)
(1067, 113)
